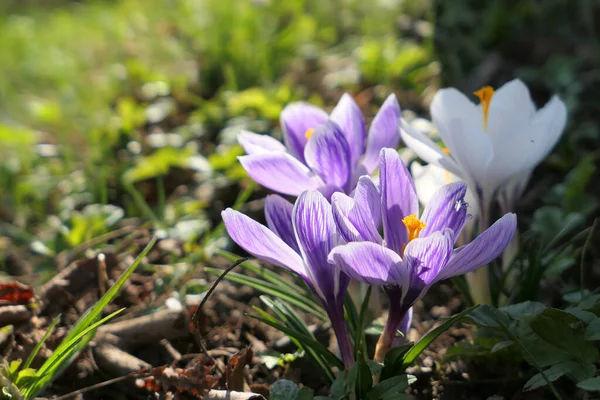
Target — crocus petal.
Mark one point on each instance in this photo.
(280, 172)
(398, 199)
(548, 125)
(446, 209)
(427, 150)
(367, 195)
(353, 221)
(349, 117)
(512, 191)
(370, 263)
(296, 119)
(341, 205)
(483, 249)
(254, 143)
(427, 256)
(327, 153)
(406, 323)
(259, 241)
(316, 236)
(278, 213)
(460, 124)
(383, 132)
(429, 179)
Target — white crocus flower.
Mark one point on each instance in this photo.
(502, 138)
(493, 145)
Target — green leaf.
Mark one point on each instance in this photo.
(433, 334)
(591, 385)
(518, 311)
(393, 360)
(359, 337)
(557, 332)
(24, 376)
(489, 317)
(502, 345)
(592, 332)
(391, 388)
(338, 387)
(542, 352)
(360, 378)
(582, 315)
(556, 371)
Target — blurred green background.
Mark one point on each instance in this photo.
(115, 109)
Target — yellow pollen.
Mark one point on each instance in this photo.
(413, 225)
(309, 132)
(446, 150)
(485, 95)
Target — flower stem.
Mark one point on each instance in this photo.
(341, 333)
(479, 280)
(395, 317)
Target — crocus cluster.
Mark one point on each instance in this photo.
(347, 225)
(493, 146)
(321, 152)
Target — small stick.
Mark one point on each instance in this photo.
(196, 316)
(92, 387)
(102, 274)
(171, 350)
(228, 395)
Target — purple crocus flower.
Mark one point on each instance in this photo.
(299, 238)
(321, 152)
(416, 252)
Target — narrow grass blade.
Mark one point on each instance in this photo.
(83, 325)
(433, 334)
(38, 346)
(305, 304)
(332, 359)
(264, 273)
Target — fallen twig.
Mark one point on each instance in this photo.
(227, 395)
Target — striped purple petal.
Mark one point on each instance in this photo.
(254, 143)
(398, 199)
(384, 132)
(296, 119)
(317, 235)
(349, 117)
(263, 244)
(371, 263)
(446, 209)
(427, 256)
(328, 154)
(483, 249)
(280, 172)
(278, 213)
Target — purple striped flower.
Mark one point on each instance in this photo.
(417, 252)
(299, 238)
(321, 152)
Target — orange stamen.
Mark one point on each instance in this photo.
(309, 132)
(485, 95)
(414, 226)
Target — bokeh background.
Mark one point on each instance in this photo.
(117, 109)
(119, 117)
